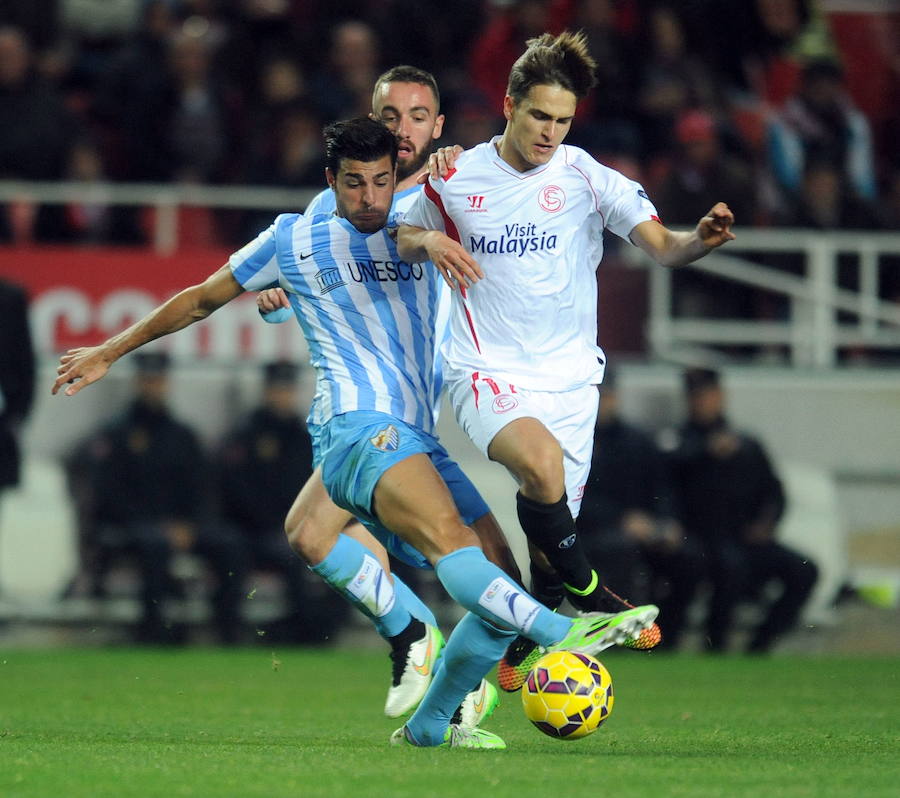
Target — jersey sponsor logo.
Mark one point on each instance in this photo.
(307, 255)
(384, 271)
(329, 279)
(517, 239)
(476, 203)
(643, 194)
(504, 403)
(552, 198)
(567, 543)
(387, 440)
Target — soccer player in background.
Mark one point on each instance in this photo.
(368, 317)
(522, 218)
(407, 100)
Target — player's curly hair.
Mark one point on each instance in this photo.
(407, 74)
(562, 60)
(360, 139)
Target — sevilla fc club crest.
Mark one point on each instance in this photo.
(504, 402)
(552, 199)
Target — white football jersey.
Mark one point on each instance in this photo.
(538, 236)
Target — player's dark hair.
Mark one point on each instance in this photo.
(562, 60)
(408, 74)
(360, 139)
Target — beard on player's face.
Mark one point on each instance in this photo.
(415, 162)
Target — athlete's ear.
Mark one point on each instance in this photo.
(373, 117)
(438, 126)
(329, 177)
(508, 105)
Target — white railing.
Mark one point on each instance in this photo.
(812, 331)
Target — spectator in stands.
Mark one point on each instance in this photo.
(143, 479)
(16, 380)
(628, 523)
(819, 123)
(130, 105)
(263, 461)
(608, 124)
(35, 131)
(700, 170)
(88, 220)
(824, 201)
(731, 499)
(500, 43)
(196, 112)
(132, 98)
(671, 80)
(343, 88)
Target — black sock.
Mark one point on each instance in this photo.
(547, 588)
(551, 528)
(415, 630)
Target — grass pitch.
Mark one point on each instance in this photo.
(308, 724)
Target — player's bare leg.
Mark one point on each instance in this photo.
(315, 526)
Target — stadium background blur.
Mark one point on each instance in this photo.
(141, 141)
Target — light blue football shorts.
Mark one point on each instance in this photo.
(356, 448)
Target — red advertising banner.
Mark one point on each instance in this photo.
(79, 297)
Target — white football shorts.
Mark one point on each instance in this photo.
(484, 405)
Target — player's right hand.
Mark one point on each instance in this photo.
(441, 162)
(272, 299)
(452, 260)
(80, 367)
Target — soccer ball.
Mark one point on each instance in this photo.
(567, 695)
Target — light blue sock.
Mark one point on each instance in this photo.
(481, 587)
(413, 604)
(354, 572)
(472, 650)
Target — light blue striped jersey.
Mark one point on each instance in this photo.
(368, 317)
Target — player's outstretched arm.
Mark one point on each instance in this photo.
(678, 249)
(81, 367)
(451, 259)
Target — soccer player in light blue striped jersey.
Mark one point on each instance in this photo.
(407, 100)
(359, 306)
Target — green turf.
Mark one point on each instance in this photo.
(308, 723)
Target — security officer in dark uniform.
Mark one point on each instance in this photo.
(627, 520)
(148, 495)
(17, 369)
(731, 498)
(264, 462)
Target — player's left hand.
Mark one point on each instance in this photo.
(714, 229)
(80, 367)
(440, 163)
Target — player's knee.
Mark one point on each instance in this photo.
(542, 474)
(305, 536)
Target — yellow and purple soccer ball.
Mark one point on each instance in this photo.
(567, 695)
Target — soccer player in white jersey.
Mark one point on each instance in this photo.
(368, 318)
(520, 220)
(407, 100)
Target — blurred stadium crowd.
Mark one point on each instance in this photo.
(752, 104)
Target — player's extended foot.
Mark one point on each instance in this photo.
(594, 632)
(520, 657)
(604, 600)
(413, 668)
(478, 705)
(456, 736)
